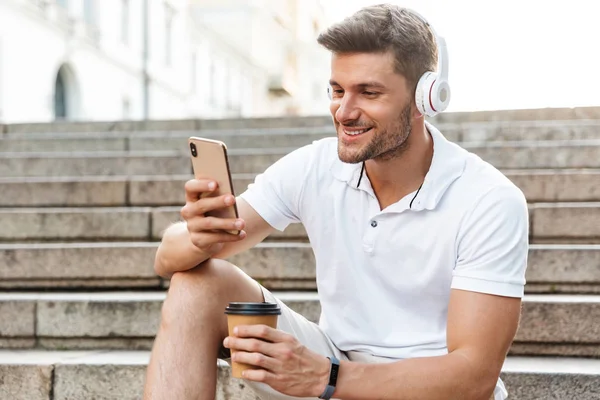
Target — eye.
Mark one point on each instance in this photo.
(337, 93)
(367, 93)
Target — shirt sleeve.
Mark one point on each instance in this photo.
(275, 194)
(493, 244)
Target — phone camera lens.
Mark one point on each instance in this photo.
(193, 149)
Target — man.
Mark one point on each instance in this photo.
(421, 248)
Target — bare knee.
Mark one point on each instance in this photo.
(206, 290)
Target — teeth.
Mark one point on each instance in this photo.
(355, 132)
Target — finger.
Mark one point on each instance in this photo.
(257, 359)
(199, 207)
(205, 239)
(213, 223)
(212, 203)
(251, 346)
(259, 375)
(195, 187)
(264, 332)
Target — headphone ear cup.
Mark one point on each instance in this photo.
(440, 95)
(423, 94)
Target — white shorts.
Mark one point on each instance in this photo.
(311, 336)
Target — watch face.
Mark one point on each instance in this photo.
(334, 374)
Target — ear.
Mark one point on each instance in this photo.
(414, 111)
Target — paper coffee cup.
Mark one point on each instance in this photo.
(249, 314)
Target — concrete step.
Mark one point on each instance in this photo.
(160, 141)
(550, 222)
(560, 325)
(101, 223)
(508, 155)
(62, 375)
(191, 124)
(544, 114)
(167, 190)
(278, 266)
(476, 132)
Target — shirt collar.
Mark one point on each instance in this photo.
(447, 165)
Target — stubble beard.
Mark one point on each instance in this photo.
(386, 143)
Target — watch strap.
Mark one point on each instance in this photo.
(333, 375)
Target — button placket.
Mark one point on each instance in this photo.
(371, 234)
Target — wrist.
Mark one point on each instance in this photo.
(330, 387)
(323, 381)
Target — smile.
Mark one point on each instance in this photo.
(354, 133)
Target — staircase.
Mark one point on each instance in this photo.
(83, 207)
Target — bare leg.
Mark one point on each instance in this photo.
(193, 327)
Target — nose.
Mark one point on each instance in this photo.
(346, 109)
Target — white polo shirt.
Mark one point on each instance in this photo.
(384, 277)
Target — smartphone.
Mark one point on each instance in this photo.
(209, 161)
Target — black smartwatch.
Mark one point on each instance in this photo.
(333, 375)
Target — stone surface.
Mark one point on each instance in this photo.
(168, 190)
(553, 320)
(482, 132)
(158, 190)
(163, 217)
(92, 164)
(77, 261)
(87, 343)
(61, 192)
(53, 144)
(278, 261)
(74, 223)
(558, 288)
(535, 386)
(575, 113)
(277, 265)
(78, 284)
(17, 343)
(25, 382)
(108, 126)
(557, 114)
(564, 264)
(18, 319)
(560, 154)
(557, 185)
(120, 375)
(566, 220)
(229, 388)
(557, 350)
(254, 123)
(529, 155)
(558, 319)
(179, 142)
(244, 162)
(94, 318)
(99, 382)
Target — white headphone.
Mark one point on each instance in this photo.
(432, 94)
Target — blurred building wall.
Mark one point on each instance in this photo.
(88, 59)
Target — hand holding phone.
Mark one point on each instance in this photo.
(210, 210)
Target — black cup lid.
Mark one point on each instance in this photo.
(239, 308)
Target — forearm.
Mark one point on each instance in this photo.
(448, 377)
(176, 252)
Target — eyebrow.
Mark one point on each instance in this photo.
(372, 84)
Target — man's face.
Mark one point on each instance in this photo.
(371, 106)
